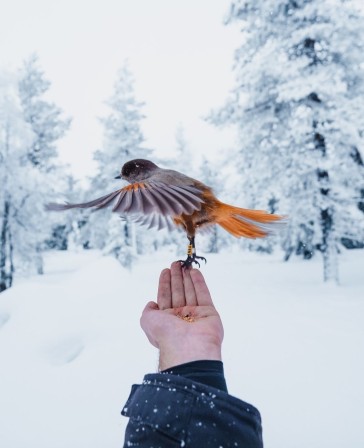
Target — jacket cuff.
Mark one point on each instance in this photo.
(206, 372)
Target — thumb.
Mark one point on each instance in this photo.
(150, 306)
(146, 320)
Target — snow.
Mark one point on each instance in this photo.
(71, 347)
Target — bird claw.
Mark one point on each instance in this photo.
(186, 264)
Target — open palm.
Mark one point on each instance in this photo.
(184, 324)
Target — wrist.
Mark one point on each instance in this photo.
(173, 355)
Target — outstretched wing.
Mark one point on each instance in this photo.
(98, 203)
(154, 220)
(145, 198)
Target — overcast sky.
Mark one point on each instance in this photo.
(180, 52)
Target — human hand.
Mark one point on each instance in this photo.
(184, 324)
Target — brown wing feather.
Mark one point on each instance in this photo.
(144, 198)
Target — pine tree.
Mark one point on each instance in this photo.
(44, 117)
(122, 142)
(47, 126)
(297, 105)
(6, 238)
(14, 178)
(27, 170)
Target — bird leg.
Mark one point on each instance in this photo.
(191, 255)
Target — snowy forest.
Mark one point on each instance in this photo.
(262, 100)
(298, 111)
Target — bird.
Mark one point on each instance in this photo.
(165, 198)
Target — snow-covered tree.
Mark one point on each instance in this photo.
(27, 149)
(15, 191)
(47, 126)
(214, 237)
(122, 142)
(9, 121)
(299, 110)
(43, 116)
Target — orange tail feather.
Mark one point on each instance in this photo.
(242, 222)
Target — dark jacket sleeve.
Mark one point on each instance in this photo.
(209, 372)
(169, 410)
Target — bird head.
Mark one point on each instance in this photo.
(137, 170)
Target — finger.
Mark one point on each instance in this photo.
(178, 291)
(202, 292)
(164, 297)
(190, 293)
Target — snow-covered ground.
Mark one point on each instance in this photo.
(71, 347)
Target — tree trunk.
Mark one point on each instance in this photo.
(6, 263)
(39, 261)
(133, 238)
(213, 246)
(328, 246)
(11, 257)
(327, 221)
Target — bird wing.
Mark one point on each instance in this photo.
(154, 220)
(145, 198)
(99, 202)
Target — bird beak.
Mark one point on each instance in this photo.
(118, 177)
